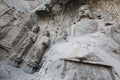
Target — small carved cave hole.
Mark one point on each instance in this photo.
(42, 13)
(70, 4)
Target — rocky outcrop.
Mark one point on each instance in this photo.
(93, 56)
(8, 72)
(59, 40)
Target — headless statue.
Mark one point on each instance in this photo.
(42, 45)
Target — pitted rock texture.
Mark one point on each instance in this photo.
(82, 43)
(66, 59)
(8, 72)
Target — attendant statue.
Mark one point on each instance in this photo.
(26, 45)
(37, 52)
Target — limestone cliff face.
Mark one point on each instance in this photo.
(108, 7)
(67, 46)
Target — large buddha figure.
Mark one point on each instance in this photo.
(85, 24)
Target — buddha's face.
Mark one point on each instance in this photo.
(85, 11)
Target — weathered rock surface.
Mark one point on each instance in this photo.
(67, 60)
(8, 72)
(81, 43)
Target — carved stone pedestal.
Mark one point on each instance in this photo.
(31, 67)
(16, 61)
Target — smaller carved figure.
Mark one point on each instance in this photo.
(38, 52)
(43, 44)
(29, 41)
(25, 46)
